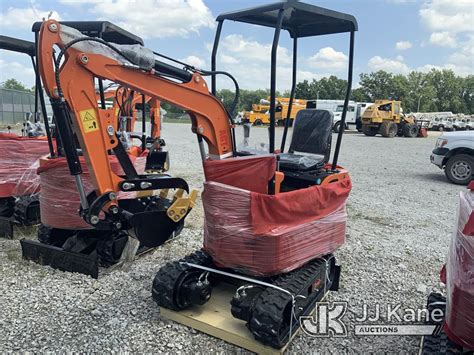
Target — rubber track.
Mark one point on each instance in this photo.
(163, 290)
(21, 207)
(268, 313)
(438, 344)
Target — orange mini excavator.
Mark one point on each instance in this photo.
(272, 221)
(125, 102)
(65, 240)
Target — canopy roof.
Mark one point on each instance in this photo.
(300, 19)
(103, 29)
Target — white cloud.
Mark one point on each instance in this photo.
(448, 15)
(253, 64)
(329, 59)
(240, 47)
(14, 69)
(227, 59)
(451, 24)
(428, 67)
(23, 18)
(79, 2)
(194, 61)
(390, 65)
(403, 45)
(155, 18)
(462, 61)
(443, 39)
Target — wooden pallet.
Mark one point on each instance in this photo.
(214, 318)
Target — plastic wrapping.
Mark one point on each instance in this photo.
(137, 54)
(312, 132)
(300, 162)
(460, 276)
(249, 173)
(59, 199)
(259, 234)
(18, 163)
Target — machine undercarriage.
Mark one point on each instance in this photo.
(271, 307)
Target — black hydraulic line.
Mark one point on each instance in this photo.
(292, 94)
(63, 123)
(213, 57)
(346, 102)
(276, 39)
(36, 87)
(236, 85)
(101, 93)
(57, 61)
(101, 87)
(143, 123)
(124, 160)
(39, 89)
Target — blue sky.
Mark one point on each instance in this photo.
(394, 35)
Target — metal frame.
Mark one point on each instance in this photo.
(254, 16)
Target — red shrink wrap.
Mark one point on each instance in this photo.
(18, 163)
(59, 199)
(258, 234)
(459, 324)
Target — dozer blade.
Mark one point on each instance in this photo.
(60, 259)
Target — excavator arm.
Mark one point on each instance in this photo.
(69, 81)
(94, 127)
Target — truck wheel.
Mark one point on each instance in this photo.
(337, 127)
(369, 130)
(388, 129)
(459, 169)
(257, 123)
(410, 130)
(441, 128)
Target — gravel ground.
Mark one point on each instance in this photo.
(401, 216)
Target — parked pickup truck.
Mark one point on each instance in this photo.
(454, 152)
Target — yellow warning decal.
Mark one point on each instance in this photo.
(89, 120)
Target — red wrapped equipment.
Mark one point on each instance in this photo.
(59, 199)
(459, 324)
(18, 163)
(259, 234)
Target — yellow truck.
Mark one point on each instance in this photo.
(260, 113)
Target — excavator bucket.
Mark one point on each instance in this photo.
(152, 226)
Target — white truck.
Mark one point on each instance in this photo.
(355, 111)
(454, 152)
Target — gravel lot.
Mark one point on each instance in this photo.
(401, 216)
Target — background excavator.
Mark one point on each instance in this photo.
(293, 278)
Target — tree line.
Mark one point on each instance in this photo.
(437, 90)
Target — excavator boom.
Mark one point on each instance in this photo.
(69, 82)
(92, 126)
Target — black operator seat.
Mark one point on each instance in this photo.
(311, 141)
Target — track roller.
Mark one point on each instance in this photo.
(177, 286)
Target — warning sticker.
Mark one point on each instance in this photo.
(89, 120)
